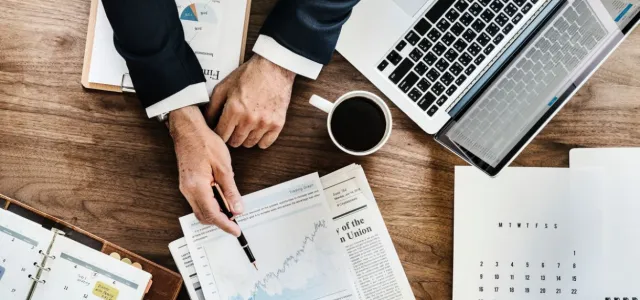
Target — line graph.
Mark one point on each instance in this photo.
(303, 265)
(291, 259)
(297, 251)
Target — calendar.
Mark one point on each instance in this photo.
(530, 233)
(36, 263)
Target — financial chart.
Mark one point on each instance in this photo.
(302, 267)
(200, 23)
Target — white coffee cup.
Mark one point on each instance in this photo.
(329, 107)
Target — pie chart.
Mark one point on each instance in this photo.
(198, 12)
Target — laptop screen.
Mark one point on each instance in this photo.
(533, 79)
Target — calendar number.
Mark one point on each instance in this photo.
(526, 290)
(558, 291)
(496, 264)
(543, 265)
(574, 291)
(13, 290)
(66, 287)
(558, 265)
(481, 263)
(543, 290)
(497, 276)
(574, 278)
(85, 296)
(574, 265)
(542, 277)
(527, 277)
(481, 289)
(481, 276)
(527, 264)
(512, 289)
(495, 289)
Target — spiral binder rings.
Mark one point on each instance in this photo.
(42, 257)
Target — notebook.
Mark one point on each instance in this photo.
(42, 257)
(215, 30)
(37, 263)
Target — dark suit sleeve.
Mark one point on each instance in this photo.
(309, 28)
(149, 36)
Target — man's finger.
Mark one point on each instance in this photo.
(240, 134)
(224, 177)
(226, 125)
(268, 139)
(219, 97)
(210, 210)
(254, 137)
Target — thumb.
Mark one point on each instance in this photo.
(229, 190)
(218, 98)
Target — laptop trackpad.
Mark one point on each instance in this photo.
(411, 7)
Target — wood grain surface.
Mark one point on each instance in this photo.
(94, 159)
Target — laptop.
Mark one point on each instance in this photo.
(483, 76)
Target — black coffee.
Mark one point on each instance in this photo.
(358, 124)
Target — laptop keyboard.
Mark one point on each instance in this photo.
(449, 43)
(507, 110)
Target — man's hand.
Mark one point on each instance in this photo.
(203, 159)
(253, 101)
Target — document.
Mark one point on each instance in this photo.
(290, 231)
(373, 260)
(182, 257)
(370, 267)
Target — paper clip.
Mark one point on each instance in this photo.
(125, 88)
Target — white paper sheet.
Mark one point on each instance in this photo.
(618, 170)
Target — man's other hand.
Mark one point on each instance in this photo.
(251, 103)
(203, 159)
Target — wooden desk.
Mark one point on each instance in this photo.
(95, 160)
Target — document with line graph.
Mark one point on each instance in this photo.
(296, 246)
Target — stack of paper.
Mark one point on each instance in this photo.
(313, 238)
(538, 233)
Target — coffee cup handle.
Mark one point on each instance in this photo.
(321, 103)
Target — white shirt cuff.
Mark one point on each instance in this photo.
(268, 48)
(191, 95)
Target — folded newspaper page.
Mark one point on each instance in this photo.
(361, 229)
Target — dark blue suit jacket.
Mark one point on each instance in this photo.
(149, 36)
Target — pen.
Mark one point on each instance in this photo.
(224, 208)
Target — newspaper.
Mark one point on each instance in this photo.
(361, 229)
(373, 264)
